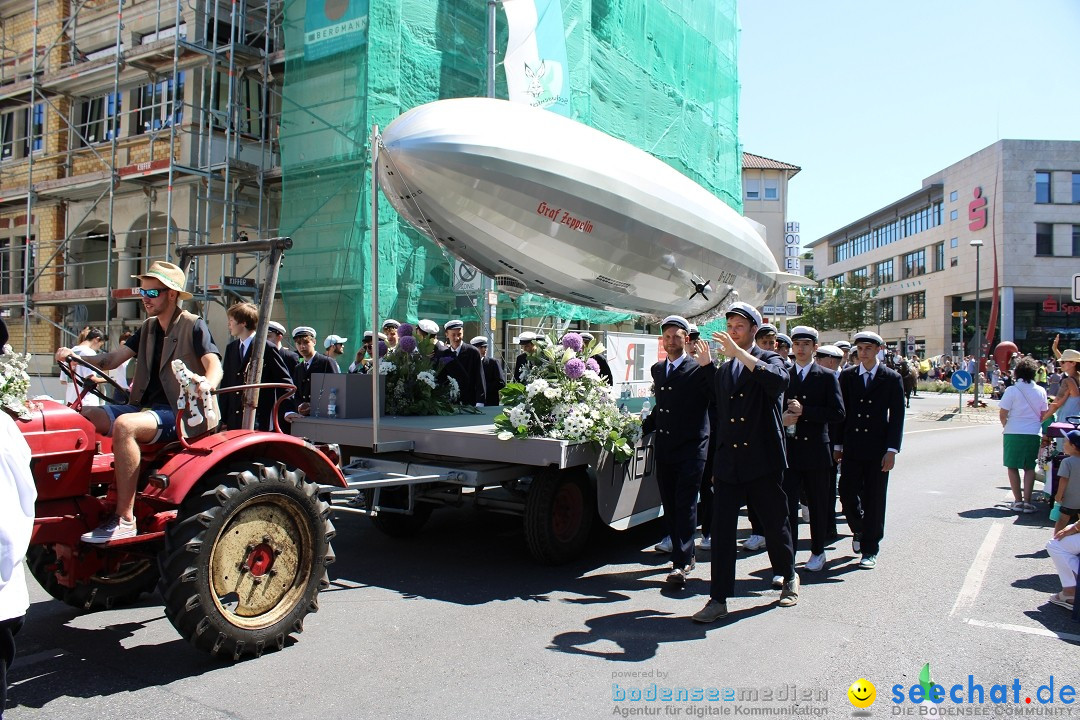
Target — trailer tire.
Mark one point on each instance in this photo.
(559, 513)
(133, 576)
(245, 560)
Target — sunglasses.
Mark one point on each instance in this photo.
(151, 293)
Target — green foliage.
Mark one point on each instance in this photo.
(849, 309)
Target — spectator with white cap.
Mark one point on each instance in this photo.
(275, 334)
(812, 403)
(335, 348)
(868, 442)
(473, 392)
(365, 356)
(494, 381)
(845, 348)
(389, 328)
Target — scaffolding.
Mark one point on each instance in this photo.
(129, 128)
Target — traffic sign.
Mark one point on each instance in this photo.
(1076, 288)
(961, 380)
(466, 278)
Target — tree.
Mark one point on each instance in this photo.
(830, 307)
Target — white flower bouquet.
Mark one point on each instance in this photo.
(15, 383)
(564, 398)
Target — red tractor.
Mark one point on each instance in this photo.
(232, 529)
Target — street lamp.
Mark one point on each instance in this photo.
(977, 244)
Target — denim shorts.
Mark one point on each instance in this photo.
(166, 419)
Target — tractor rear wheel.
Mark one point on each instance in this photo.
(122, 581)
(245, 560)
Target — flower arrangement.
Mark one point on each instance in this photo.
(413, 385)
(563, 397)
(14, 383)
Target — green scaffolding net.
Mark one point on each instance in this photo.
(660, 74)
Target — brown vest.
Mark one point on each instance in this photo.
(177, 345)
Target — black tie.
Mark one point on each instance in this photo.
(736, 367)
(670, 368)
(866, 379)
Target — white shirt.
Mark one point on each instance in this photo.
(803, 369)
(863, 372)
(72, 389)
(674, 364)
(17, 496)
(1026, 402)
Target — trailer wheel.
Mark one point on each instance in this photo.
(245, 560)
(559, 512)
(398, 525)
(123, 580)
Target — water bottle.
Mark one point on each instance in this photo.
(331, 404)
(646, 408)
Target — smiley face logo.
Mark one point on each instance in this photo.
(862, 693)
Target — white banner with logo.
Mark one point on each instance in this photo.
(537, 72)
(630, 357)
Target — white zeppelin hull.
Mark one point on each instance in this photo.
(568, 211)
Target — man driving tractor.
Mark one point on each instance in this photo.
(169, 333)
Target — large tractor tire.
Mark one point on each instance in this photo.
(245, 560)
(399, 525)
(559, 513)
(126, 577)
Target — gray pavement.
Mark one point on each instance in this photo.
(458, 622)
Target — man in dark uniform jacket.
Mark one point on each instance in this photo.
(242, 319)
(473, 391)
(444, 359)
(869, 439)
(493, 372)
(812, 402)
(681, 423)
(527, 341)
(829, 357)
(311, 362)
(750, 458)
(605, 369)
(275, 335)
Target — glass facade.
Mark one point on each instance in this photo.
(906, 226)
(1042, 187)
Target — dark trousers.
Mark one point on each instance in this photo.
(770, 503)
(834, 477)
(756, 528)
(678, 482)
(705, 493)
(863, 488)
(815, 485)
(8, 630)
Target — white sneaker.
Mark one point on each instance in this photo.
(663, 546)
(805, 513)
(116, 528)
(778, 581)
(706, 543)
(815, 563)
(754, 542)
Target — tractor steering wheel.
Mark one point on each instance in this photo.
(91, 388)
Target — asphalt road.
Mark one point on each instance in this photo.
(458, 622)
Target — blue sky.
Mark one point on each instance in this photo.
(869, 98)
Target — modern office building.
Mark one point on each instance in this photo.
(1021, 200)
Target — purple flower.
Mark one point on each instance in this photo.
(382, 348)
(575, 368)
(404, 330)
(407, 343)
(572, 341)
(591, 364)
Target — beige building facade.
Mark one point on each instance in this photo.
(1021, 199)
(765, 200)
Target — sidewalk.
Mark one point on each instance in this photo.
(945, 409)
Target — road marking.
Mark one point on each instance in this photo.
(965, 427)
(977, 571)
(1020, 628)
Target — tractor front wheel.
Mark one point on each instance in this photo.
(245, 560)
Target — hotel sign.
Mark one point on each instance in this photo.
(791, 248)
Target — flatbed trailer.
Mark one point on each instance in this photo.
(401, 471)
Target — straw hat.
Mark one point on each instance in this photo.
(169, 275)
(1070, 355)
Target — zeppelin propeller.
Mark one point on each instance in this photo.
(548, 205)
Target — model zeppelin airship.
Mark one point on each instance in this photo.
(545, 204)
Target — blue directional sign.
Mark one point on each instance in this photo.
(961, 380)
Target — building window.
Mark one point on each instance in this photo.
(7, 135)
(1076, 241)
(954, 242)
(883, 272)
(915, 264)
(953, 215)
(249, 115)
(885, 310)
(772, 189)
(1076, 188)
(1044, 239)
(161, 104)
(914, 305)
(98, 118)
(953, 261)
(1042, 187)
(939, 257)
(882, 235)
(860, 277)
(836, 281)
(952, 196)
(753, 189)
(12, 258)
(35, 119)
